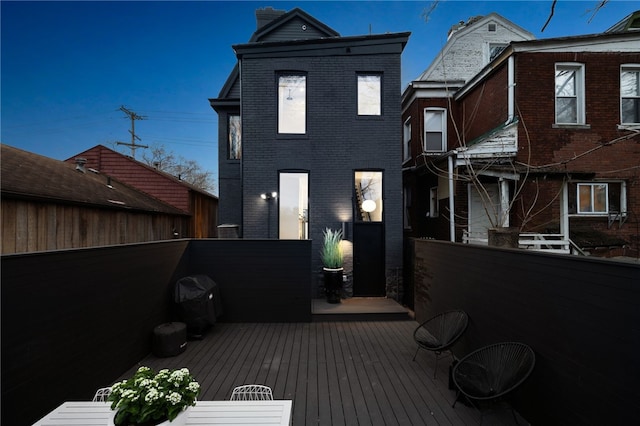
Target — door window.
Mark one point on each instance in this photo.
(294, 206)
(368, 197)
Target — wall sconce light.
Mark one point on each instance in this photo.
(266, 196)
(368, 206)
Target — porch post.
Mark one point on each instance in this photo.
(504, 202)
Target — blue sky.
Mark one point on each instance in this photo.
(67, 67)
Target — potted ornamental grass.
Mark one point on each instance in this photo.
(150, 398)
(333, 261)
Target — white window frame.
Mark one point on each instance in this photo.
(579, 94)
(592, 195)
(369, 88)
(490, 47)
(292, 103)
(443, 126)
(633, 68)
(234, 137)
(406, 136)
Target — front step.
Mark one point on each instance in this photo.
(359, 309)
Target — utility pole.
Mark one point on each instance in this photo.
(133, 117)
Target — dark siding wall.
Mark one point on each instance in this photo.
(580, 316)
(72, 321)
(259, 281)
(229, 175)
(336, 143)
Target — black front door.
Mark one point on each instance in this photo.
(368, 259)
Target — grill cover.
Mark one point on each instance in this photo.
(198, 299)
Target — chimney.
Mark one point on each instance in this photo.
(80, 162)
(266, 15)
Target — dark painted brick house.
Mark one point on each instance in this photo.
(308, 131)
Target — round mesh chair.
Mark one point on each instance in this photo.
(438, 334)
(492, 372)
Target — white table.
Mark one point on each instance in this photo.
(277, 412)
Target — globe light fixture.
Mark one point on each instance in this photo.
(368, 206)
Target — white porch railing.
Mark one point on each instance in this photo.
(548, 243)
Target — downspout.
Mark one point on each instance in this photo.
(511, 86)
(452, 219)
(242, 147)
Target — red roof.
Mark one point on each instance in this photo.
(145, 178)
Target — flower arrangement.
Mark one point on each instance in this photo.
(149, 398)
(331, 252)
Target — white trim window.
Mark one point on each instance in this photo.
(569, 95)
(406, 139)
(369, 94)
(234, 151)
(292, 104)
(630, 94)
(593, 198)
(435, 130)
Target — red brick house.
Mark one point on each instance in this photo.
(544, 139)
(199, 204)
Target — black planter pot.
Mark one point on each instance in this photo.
(333, 284)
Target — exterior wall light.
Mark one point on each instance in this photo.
(270, 196)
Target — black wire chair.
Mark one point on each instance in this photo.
(438, 334)
(492, 372)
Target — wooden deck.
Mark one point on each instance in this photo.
(336, 373)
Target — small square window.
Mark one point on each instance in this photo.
(369, 94)
(593, 198)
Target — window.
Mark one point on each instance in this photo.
(570, 94)
(294, 205)
(368, 196)
(495, 49)
(369, 94)
(630, 94)
(593, 198)
(406, 198)
(235, 138)
(597, 198)
(433, 202)
(406, 146)
(435, 137)
(292, 104)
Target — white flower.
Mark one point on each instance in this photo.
(152, 395)
(193, 386)
(174, 398)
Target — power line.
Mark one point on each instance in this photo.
(133, 117)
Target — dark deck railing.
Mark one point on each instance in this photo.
(580, 315)
(63, 312)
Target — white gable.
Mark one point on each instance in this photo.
(469, 47)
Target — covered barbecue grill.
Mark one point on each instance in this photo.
(199, 303)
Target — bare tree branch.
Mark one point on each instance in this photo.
(553, 9)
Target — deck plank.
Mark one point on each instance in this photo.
(336, 373)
